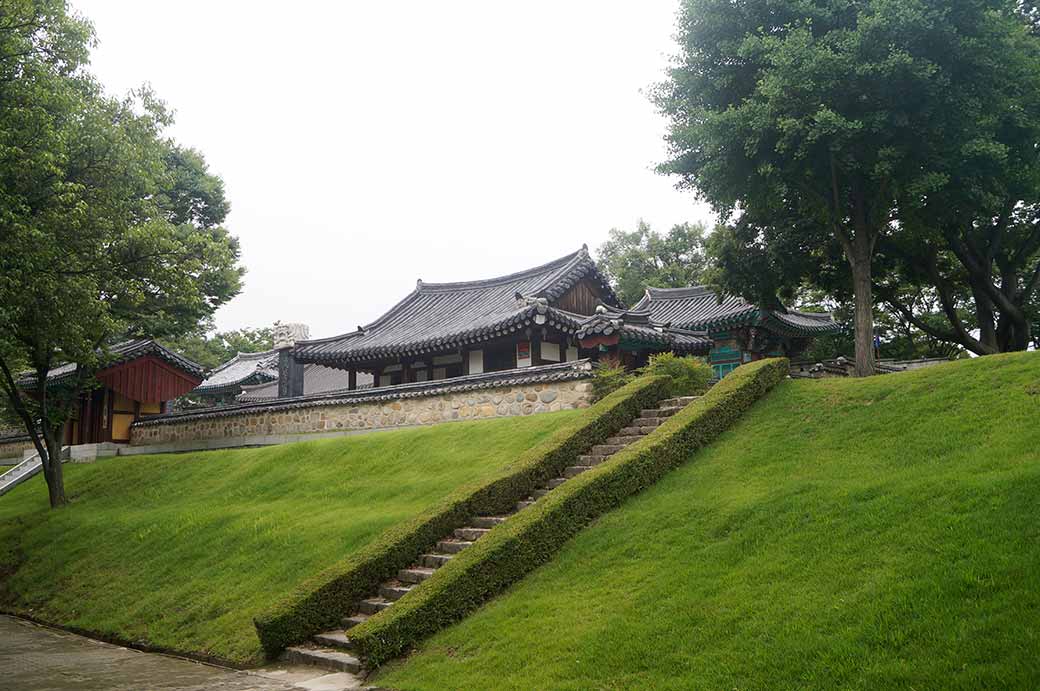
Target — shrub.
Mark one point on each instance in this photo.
(609, 376)
(690, 375)
(322, 601)
(529, 539)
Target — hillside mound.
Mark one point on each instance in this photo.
(877, 533)
(181, 551)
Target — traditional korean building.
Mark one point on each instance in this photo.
(139, 380)
(739, 331)
(558, 312)
(225, 383)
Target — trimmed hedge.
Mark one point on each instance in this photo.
(529, 539)
(323, 600)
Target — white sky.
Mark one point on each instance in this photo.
(368, 144)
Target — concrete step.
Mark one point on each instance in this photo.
(539, 493)
(606, 449)
(416, 574)
(326, 658)
(575, 470)
(556, 482)
(394, 592)
(434, 561)
(521, 505)
(487, 521)
(624, 440)
(452, 546)
(333, 639)
(646, 422)
(374, 605)
(353, 620)
(470, 533)
(680, 402)
(636, 431)
(591, 459)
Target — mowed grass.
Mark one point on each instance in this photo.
(865, 534)
(181, 551)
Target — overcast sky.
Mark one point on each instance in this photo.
(368, 144)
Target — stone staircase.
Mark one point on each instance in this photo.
(331, 649)
(28, 468)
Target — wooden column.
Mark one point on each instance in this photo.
(352, 379)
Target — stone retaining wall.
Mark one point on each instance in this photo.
(505, 401)
(14, 448)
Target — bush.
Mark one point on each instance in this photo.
(510, 551)
(690, 375)
(322, 601)
(609, 376)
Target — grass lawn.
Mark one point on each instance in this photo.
(182, 550)
(880, 533)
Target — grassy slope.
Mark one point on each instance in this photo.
(181, 551)
(859, 534)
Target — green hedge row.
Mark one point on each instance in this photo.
(322, 601)
(530, 539)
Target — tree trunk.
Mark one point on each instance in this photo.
(859, 257)
(52, 470)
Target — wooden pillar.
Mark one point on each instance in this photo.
(536, 348)
(352, 379)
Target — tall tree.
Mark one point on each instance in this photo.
(808, 117)
(100, 239)
(643, 257)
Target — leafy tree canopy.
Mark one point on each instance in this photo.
(108, 228)
(211, 349)
(817, 122)
(633, 260)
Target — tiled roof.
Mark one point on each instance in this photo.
(699, 308)
(637, 327)
(118, 354)
(252, 368)
(316, 379)
(441, 316)
(564, 371)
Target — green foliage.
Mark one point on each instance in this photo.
(181, 551)
(634, 260)
(608, 377)
(108, 228)
(324, 599)
(211, 350)
(834, 125)
(809, 547)
(532, 537)
(690, 376)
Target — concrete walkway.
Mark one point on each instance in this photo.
(36, 658)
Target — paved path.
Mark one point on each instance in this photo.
(35, 658)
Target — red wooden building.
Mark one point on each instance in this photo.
(139, 380)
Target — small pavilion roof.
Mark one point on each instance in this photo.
(119, 354)
(637, 327)
(244, 368)
(440, 316)
(699, 308)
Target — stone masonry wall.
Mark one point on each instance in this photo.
(504, 401)
(14, 449)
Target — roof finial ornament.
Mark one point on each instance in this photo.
(601, 309)
(286, 335)
(418, 283)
